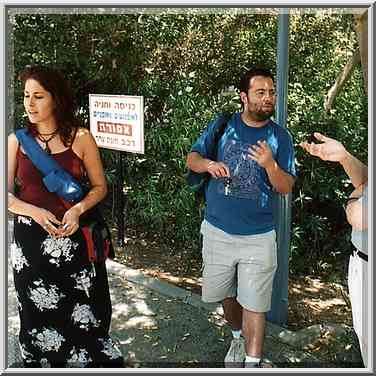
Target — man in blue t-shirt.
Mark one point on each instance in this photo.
(254, 158)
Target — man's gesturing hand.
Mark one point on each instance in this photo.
(262, 154)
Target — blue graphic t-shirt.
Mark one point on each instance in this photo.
(242, 205)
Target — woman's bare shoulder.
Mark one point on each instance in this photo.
(83, 140)
(12, 139)
(82, 132)
(83, 136)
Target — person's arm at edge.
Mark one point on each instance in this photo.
(356, 170)
(356, 210)
(334, 151)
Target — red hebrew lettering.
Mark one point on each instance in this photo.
(101, 126)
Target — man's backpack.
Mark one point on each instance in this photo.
(197, 181)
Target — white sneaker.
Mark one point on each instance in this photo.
(236, 354)
(263, 363)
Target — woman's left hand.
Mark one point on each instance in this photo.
(70, 222)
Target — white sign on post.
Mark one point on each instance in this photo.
(117, 122)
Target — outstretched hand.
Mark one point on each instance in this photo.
(328, 150)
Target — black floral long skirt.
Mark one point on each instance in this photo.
(63, 301)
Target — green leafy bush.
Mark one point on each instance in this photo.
(183, 64)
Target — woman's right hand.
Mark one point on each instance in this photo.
(46, 220)
(329, 150)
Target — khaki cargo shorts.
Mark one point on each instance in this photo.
(241, 266)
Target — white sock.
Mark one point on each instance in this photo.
(252, 359)
(236, 333)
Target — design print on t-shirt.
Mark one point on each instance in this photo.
(245, 174)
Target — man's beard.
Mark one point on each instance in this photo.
(261, 115)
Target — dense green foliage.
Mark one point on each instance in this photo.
(183, 65)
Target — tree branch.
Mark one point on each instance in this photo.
(361, 28)
(341, 80)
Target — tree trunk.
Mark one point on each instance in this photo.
(341, 80)
(361, 28)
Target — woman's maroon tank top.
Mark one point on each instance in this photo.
(30, 184)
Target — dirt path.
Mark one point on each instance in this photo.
(312, 300)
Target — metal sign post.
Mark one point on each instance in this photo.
(282, 203)
(117, 123)
(120, 200)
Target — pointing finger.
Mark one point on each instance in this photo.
(321, 137)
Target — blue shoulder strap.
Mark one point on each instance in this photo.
(56, 179)
(38, 156)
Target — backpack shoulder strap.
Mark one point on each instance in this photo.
(41, 160)
(220, 130)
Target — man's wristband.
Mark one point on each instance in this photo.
(210, 164)
(351, 199)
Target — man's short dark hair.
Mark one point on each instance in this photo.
(255, 71)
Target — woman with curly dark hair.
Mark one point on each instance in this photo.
(63, 299)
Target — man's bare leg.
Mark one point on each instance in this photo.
(253, 330)
(233, 312)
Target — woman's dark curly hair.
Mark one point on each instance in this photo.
(58, 86)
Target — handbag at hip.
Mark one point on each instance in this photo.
(97, 236)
